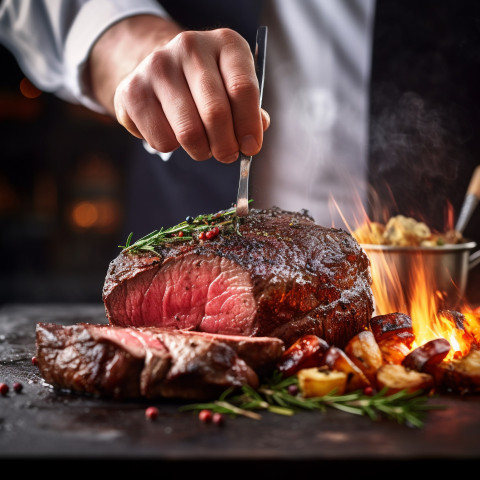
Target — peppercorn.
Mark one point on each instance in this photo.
(34, 361)
(151, 413)
(180, 234)
(368, 390)
(17, 387)
(3, 389)
(189, 220)
(212, 233)
(293, 389)
(217, 418)
(201, 236)
(205, 416)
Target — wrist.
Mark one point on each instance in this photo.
(121, 48)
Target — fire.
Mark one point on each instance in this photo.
(472, 322)
(422, 301)
(420, 297)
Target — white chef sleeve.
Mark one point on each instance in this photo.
(51, 39)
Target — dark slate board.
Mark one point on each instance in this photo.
(43, 424)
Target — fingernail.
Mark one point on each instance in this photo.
(265, 119)
(249, 145)
(230, 159)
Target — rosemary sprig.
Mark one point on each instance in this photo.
(274, 396)
(189, 228)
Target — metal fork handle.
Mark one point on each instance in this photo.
(245, 162)
(242, 197)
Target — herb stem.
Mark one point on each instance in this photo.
(273, 396)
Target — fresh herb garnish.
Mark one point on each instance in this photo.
(187, 230)
(274, 396)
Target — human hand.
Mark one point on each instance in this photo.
(198, 91)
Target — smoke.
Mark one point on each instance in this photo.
(416, 148)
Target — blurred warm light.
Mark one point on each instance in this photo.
(95, 185)
(102, 215)
(28, 89)
(84, 214)
(108, 214)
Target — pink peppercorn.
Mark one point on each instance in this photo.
(201, 236)
(34, 361)
(205, 416)
(17, 387)
(217, 418)
(293, 389)
(4, 389)
(212, 233)
(368, 390)
(151, 413)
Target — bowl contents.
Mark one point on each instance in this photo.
(402, 231)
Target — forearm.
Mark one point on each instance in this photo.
(121, 48)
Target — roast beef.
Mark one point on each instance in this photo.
(278, 274)
(110, 361)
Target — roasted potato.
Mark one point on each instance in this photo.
(393, 351)
(459, 375)
(365, 353)
(316, 382)
(397, 377)
(337, 360)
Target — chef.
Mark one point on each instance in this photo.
(197, 96)
(365, 107)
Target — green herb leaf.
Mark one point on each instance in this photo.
(225, 220)
(127, 243)
(274, 396)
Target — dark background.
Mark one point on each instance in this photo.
(62, 189)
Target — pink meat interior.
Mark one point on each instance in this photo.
(197, 292)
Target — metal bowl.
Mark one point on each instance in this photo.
(445, 267)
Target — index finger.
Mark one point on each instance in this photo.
(237, 68)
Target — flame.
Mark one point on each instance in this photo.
(422, 300)
(472, 322)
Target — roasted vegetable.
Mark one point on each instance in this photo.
(365, 353)
(459, 375)
(394, 335)
(405, 231)
(337, 360)
(392, 324)
(424, 357)
(397, 377)
(308, 351)
(316, 382)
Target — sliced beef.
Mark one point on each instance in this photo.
(260, 353)
(110, 361)
(279, 274)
